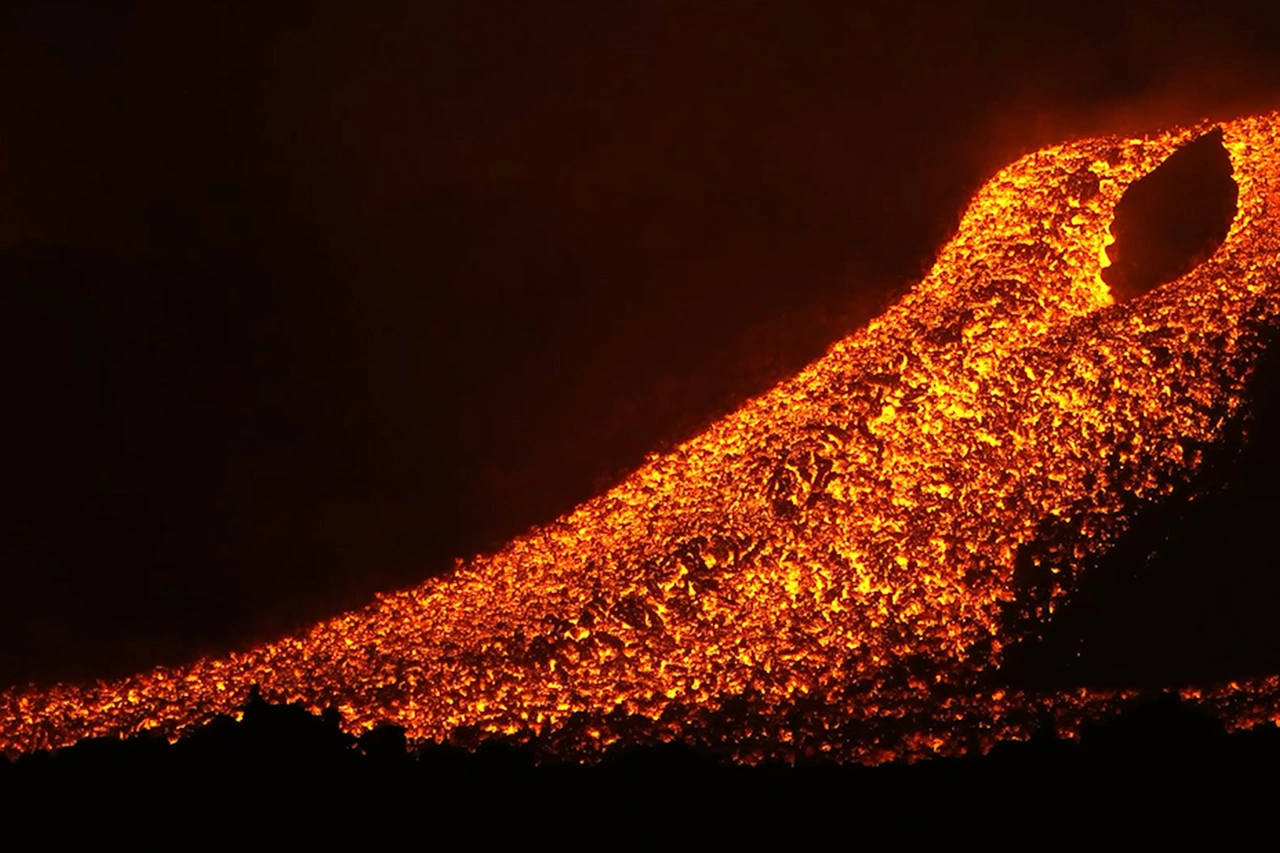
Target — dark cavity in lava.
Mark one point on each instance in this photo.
(1171, 220)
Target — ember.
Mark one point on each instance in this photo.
(830, 569)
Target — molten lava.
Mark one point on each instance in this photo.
(831, 568)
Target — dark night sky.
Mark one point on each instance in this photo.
(296, 306)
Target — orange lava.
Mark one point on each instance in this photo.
(830, 568)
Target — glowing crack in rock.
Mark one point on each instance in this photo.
(830, 568)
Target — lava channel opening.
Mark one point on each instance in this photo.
(1171, 220)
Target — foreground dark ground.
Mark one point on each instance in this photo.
(1156, 749)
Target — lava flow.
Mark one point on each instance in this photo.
(831, 568)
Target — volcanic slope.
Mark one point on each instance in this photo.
(831, 568)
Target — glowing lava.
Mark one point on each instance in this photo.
(830, 568)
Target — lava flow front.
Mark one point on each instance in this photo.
(831, 568)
